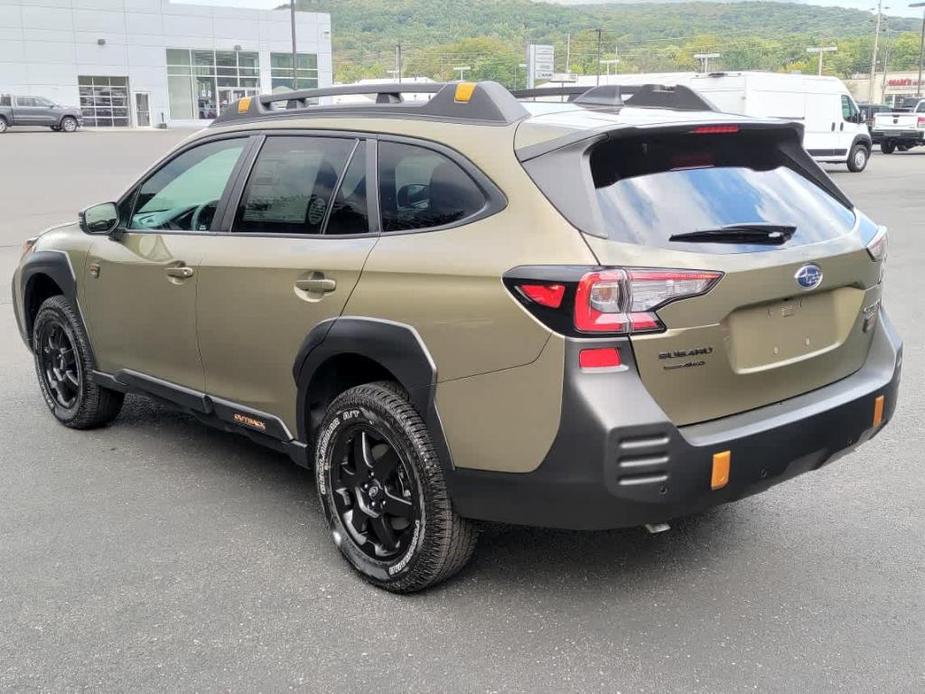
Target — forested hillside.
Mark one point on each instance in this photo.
(489, 36)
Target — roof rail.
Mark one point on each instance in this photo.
(674, 97)
(484, 102)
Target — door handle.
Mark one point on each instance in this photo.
(841, 127)
(182, 272)
(317, 284)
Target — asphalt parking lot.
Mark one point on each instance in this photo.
(158, 554)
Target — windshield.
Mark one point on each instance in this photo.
(650, 191)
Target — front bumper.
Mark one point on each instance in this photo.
(618, 462)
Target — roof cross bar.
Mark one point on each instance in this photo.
(479, 102)
(674, 97)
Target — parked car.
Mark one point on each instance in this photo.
(901, 130)
(587, 315)
(37, 110)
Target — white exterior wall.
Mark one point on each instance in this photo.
(46, 44)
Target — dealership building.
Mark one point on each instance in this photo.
(154, 62)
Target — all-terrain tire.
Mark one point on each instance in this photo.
(438, 541)
(93, 405)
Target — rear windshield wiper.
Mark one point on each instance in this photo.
(758, 232)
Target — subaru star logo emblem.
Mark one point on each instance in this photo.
(809, 276)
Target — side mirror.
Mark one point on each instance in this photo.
(100, 219)
(412, 194)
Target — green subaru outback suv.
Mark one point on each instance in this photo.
(607, 311)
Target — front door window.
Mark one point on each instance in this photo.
(183, 195)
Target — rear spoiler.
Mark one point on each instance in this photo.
(561, 162)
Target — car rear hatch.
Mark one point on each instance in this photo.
(787, 292)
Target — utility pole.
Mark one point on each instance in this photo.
(873, 58)
(918, 88)
(398, 61)
(820, 50)
(599, 38)
(568, 52)
(295, 61)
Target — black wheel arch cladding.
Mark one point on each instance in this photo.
(395, 347)
(39, 268)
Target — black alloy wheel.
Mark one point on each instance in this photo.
(60, 367)
(373, 493)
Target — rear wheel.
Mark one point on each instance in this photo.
(383, 492)
(55, 128)
(857, 158)
(887, 147)
(902, 148)
(64, 365)
(69, 124)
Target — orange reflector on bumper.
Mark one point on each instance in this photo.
(464, 92)
(879, 401)
(244, 105)
(720, 476)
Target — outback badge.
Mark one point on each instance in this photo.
(809, 276)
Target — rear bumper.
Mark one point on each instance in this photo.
(618, 462)
(914, 135)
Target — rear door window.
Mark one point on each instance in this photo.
(291, 187)
(420, 188)
(650, 189)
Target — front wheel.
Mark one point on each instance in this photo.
(69, 124)
(64, 366)
(3, 124)
(857, 158)
(887, 147)
(383, 492)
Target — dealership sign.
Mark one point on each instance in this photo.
(540, 63)
(902, 82)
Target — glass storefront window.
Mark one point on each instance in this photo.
(281, 71)
(201, 83)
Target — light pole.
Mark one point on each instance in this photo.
(704, 59)
(873, 57)
(918, 87)
(820, 50)
(599, 35)
(461, 69)
(295, 74)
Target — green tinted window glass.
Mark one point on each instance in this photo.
(184, 193)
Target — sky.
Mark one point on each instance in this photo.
(898, 8)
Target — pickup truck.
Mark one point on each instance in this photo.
(37, 110)
(900, 130)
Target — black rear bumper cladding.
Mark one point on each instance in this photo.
(617, 460)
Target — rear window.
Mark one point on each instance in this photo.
(648, 189)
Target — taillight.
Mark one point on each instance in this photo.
(921, 122)
(612, 301)
(876, 249)
(715, 129)
(624, 300)
(549, 295)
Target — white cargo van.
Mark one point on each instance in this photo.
(834, 131)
